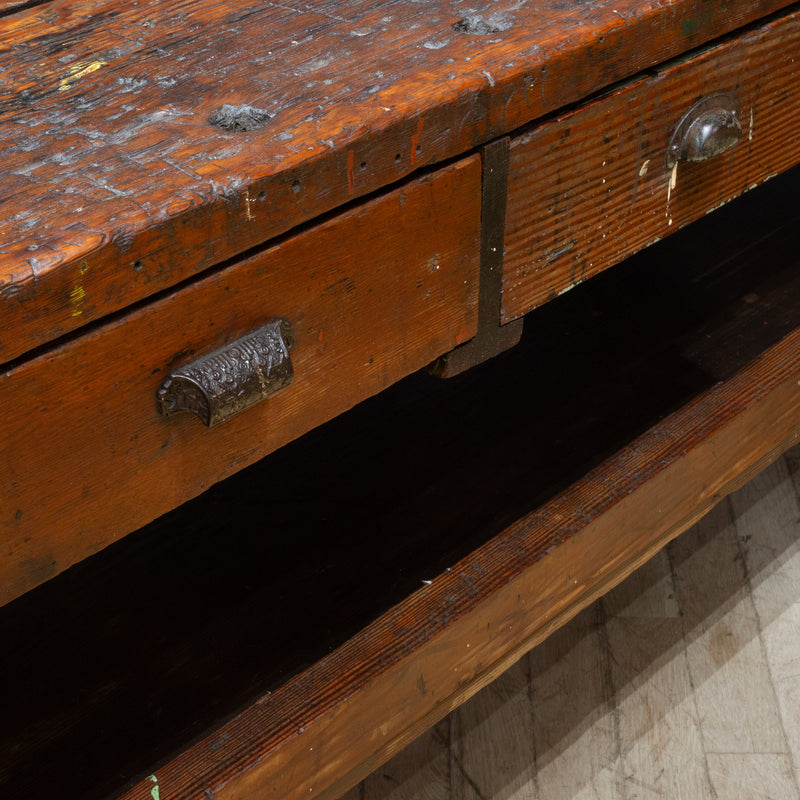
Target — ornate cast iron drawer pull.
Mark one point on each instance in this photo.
(710, 127)
(218, 385)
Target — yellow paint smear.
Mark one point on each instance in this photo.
(76, 297)
(78, 70)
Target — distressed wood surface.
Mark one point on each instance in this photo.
(592, 187)
(745, 746)
(424, 767)
(483, 756)
(569, 762)
(373, 295)
(215, 601)
(766, 526)
(116, 185)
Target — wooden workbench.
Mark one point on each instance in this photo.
(305, 205)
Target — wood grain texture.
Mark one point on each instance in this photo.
(728, 645)
(592, 187)
(423, 770)
(373, 295)
(404, 486)
(328, 727)
(485, 751)
(11, 6)
(116, 186)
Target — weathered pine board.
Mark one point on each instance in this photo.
(410, 483)
(575, 725)
(656, 710)
(769, 535)
(116, 185)
(725, 645)
(746, 751)
(423, 769)
(495, 755)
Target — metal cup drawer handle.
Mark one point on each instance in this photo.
(710, 127)
(233, 378)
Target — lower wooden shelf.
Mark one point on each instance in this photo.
(299, 623)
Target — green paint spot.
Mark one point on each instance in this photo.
(154, 793)
(689, 27)
(18, 515)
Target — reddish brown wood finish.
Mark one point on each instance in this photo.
(325, 729)
(590, 188)
(115, 185)
(374, 294)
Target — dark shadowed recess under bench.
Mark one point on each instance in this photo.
(142, 648)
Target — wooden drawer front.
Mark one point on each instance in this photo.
(592, 187)
(373, 295)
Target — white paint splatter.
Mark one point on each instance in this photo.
(673, 182)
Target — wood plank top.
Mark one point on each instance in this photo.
(117, 184)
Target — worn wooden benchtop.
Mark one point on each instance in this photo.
(130, 167)
(116, 185)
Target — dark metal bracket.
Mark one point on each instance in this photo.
(492, 338)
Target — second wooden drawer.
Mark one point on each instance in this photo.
(593, 186)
